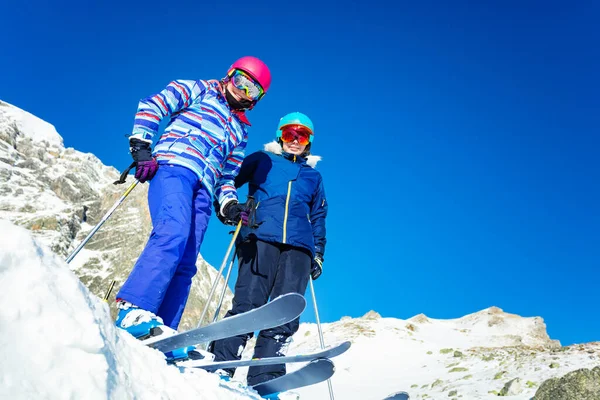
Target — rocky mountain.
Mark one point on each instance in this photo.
(60, 194)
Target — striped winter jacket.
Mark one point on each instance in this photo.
(203, 133)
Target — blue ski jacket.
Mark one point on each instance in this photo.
(290, 198)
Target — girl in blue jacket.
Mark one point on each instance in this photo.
(284, 242)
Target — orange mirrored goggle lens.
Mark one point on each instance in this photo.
(289, 134)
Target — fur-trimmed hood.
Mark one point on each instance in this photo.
(275, 148)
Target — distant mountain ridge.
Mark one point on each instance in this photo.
(478, 356)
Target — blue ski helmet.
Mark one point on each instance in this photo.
(295, 118)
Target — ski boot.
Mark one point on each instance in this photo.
(224, 375)
(141, 324)
(188, 353)
(144, 325)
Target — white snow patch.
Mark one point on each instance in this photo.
(28, 124)
(59, 341)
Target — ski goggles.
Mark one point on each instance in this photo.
(244, 82)
(294, 132)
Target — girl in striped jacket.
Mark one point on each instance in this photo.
(197, 157)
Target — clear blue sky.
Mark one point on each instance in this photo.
(460, 143)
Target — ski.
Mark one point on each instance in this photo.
(279, 311)
(398, 396)
(316, 371)
(213, 365)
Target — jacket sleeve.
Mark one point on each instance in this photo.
(244, 176)
(247, 169)
(177, 96)
(318, 214)
(225, 189)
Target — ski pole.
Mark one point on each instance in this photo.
(312, 289)
(110, 288)
(220, 303)
(250, 205)
(121, 180)
(102, 221)
(220, 273)
(224, 289)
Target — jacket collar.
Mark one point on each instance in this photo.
(275, 148)
(241, 116)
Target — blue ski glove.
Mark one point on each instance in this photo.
(317, 267)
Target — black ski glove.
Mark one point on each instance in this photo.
(145, 165)
(235, 212)
(317, 267)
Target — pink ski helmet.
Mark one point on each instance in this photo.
(255, 68)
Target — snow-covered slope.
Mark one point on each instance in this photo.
(59, 341)
(472, 357)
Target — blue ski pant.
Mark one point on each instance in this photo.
(180, 208)
(266, 270)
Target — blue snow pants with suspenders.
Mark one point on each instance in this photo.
(180, 208)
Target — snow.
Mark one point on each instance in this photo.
(28, 124)
(59, 341)
(389, 355)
